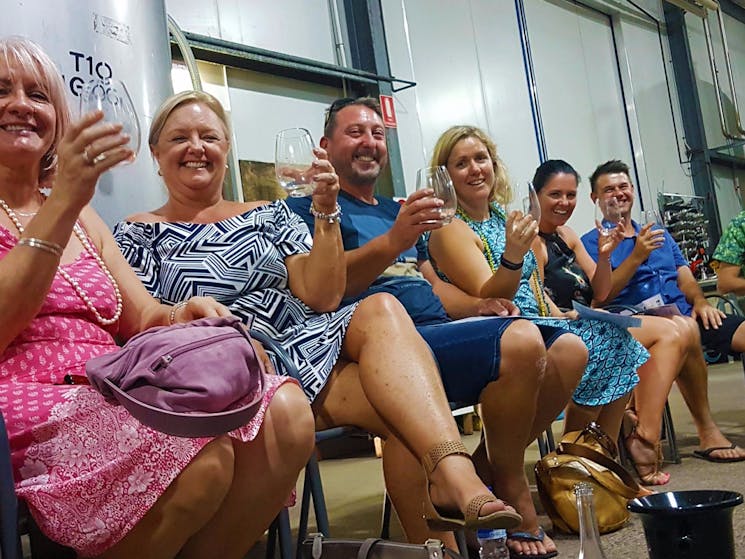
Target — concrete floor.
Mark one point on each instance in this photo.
(354, 487)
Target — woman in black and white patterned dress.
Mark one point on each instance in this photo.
(363, 365)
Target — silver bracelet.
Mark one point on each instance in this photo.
(333, 217)
(41, 244)
(174, 310)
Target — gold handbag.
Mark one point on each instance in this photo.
(586, 456)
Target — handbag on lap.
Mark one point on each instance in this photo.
(585, 456)
(197, 379)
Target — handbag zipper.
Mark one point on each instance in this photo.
(164, 360)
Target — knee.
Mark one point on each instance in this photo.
(291, 420)
(567, 357)
(202, 486)
(522, 351)
(381, 308)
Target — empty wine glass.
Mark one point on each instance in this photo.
(653, 217)
(526, 200)
(111, 96)
(438, 179)
(607, 214)
(293, 161)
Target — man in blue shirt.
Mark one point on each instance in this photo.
(483, 360)
(649, 272)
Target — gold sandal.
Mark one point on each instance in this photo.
(653, 475)
(440, 520)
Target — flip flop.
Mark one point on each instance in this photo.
(528, 537)
(706, 454)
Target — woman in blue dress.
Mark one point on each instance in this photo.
(258, 259)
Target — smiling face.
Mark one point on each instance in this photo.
(558, 198)
(618, 185)
(357, 147)
(192, 151)
(472, 170)
(27, 116)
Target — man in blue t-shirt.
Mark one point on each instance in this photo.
(485, 360)
(650, 272)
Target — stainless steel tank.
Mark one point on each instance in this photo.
(123, 39)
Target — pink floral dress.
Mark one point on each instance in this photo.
(86, 468)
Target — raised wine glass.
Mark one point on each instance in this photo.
(293, 161)
(607, 214)
(438, 179)
(525, 200)
(111, 96)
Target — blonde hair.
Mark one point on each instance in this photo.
(21, 52)
(179, 100)
(500, 190)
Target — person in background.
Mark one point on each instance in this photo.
(569, 275)
(521, 374)
(257, 259)
(729, 257)
(93, 477)
(649, 271)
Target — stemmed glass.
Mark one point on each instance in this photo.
(293, 161)
(607, 214)
(111, 96)
(653, 217)
(438, 179)
(526, 200)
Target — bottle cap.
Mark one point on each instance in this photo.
(491, 534)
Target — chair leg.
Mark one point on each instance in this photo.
(285, 535)
(271, 538)
(460, 540)
(385, 525)
(302, 529)
(672, 443)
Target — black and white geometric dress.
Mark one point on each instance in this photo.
(240, 262)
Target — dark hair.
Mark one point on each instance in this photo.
(607, 168)
(546, 171)
(329, 122)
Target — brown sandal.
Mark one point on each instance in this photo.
(441, 520)
(652, 474)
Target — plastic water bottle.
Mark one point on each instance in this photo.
(493, 544)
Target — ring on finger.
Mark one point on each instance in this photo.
(87, 157)
(100, 157)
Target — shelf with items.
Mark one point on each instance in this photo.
(683, 217)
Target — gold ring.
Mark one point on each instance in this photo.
(99, 157)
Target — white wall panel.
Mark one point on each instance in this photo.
(297, 27)
(579, 91)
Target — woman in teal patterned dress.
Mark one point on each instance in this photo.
(488, 254)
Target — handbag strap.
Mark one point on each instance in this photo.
(366, 546)
(631, 487)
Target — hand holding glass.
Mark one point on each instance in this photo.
(438, 179)
(112, 98)
(607, 214)
(526, 201)
(653, 217)
(293, 161)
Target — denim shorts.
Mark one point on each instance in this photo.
(468, 353)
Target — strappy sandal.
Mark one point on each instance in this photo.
(442, 520)
(649, 472)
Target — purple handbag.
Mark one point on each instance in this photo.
(198, 379)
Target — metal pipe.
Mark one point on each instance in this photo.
(715, 78)
(341, 54)
(186, 53)
(730, 76)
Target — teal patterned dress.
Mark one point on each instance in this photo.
(614, 356)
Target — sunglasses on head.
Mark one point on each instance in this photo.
(335, 107)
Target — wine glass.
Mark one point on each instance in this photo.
(653, 217)
(111, 96)
(293, 161)
(607, 214)
(438, 179)
(526, 200)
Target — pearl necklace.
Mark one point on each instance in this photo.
(80, 234)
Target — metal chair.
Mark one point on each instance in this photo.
(10, 539)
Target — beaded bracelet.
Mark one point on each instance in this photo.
(41, 244)
(174, 309)
(514, 266)
(333, 217)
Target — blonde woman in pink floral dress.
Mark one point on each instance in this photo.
(93, 477)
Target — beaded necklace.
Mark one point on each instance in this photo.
(80, 234)
(535, 281)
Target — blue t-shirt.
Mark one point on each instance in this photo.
(658, 274)
(360, 223)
